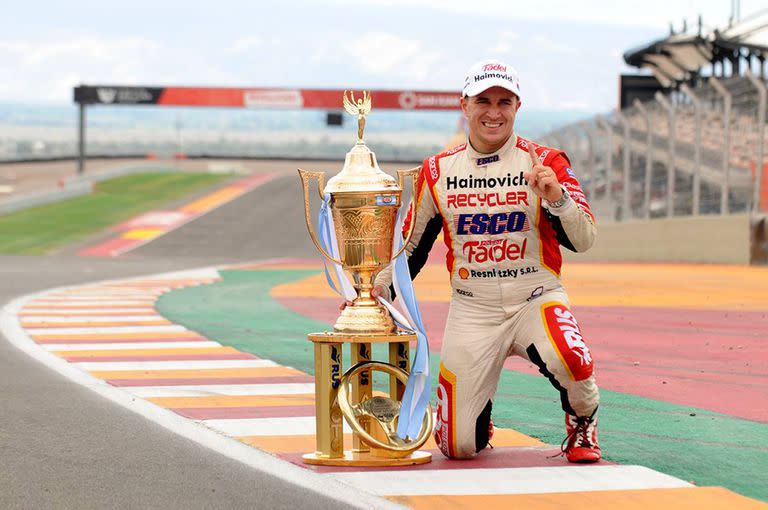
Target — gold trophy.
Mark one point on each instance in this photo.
(364, 202)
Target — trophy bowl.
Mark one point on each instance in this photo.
(364, 203)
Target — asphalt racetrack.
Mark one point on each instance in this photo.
(65, 447)
(669, 341)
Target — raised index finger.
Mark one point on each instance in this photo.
(532, 153)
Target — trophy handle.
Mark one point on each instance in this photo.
(401, 175)
(306, 176)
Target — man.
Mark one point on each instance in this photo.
(505, 205)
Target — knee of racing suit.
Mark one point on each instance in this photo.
(464, 446)
(562, 355)
(457, 433)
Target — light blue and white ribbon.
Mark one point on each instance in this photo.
(330, 245)
(419, 385)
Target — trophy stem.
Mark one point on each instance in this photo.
(364, 285)
(365, 315)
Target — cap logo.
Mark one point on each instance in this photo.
(485, 76)
(495, 67)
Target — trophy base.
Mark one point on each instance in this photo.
(367, 459)
(365, 318)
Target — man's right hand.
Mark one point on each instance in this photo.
(377, 291)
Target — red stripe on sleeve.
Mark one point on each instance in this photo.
(558, 161)
(550, 246)
(420, 184)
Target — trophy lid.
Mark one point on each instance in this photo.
(361, 172)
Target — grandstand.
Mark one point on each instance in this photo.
(687, 139)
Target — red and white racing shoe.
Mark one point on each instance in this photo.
(581, 443)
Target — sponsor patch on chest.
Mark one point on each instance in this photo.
(493, 224)
(491, 199)
(487, 160)
(496, 250)
(472, 182)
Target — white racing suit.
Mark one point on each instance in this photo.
(504, 264)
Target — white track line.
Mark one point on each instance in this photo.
(77, 298)
(128, 346)
(93, 303)
(34, 312)
(229, 447)
(53, 319)
(212, 390)
(534, 480)
(203, 274)
(104, 291)
(294, 426)
(106, 330)
(93, 366)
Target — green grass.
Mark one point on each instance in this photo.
(40, 230)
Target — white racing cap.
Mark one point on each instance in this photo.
(490, 73)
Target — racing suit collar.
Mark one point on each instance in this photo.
(481, 158)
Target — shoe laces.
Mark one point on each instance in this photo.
(579, 436)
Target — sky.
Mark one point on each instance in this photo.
(568, 54)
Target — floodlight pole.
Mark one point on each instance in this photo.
(725, 190)
(625, 213)
(763, 98)
(663, 101)
(697, 148)
(81, 140)
(648, 156)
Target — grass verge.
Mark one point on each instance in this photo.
(40, 230)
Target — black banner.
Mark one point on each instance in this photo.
(88, 94)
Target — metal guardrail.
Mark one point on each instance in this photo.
(686, 154)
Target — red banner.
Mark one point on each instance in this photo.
(304, 98)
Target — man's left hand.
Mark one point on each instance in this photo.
(542, 179)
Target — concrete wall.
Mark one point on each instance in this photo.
(710, 239)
